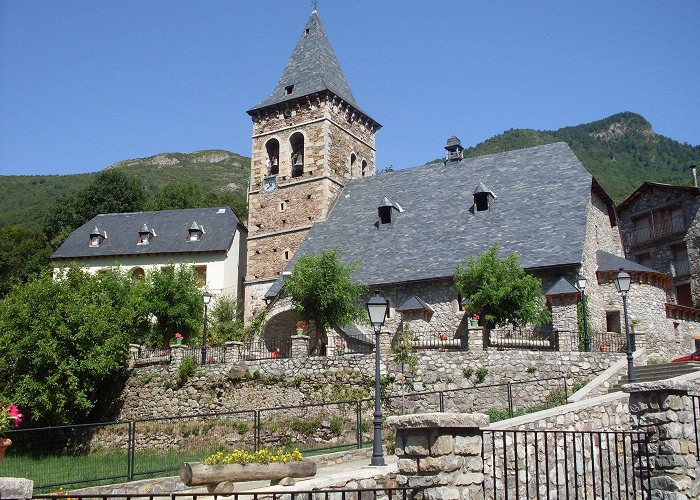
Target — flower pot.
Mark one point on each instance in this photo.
(341, 352)
(473, 323)
(4, 444)
(199, 474)
(603, 347)
(300, 331)
(443, 337)
(178, 341)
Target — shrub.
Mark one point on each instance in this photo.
(305, 426)
(467, 371)
(481, 374)
(188, 367)
(336, 425)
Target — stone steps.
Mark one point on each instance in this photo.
(652, 373)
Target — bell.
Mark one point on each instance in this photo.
(274, 162)
(299, 162)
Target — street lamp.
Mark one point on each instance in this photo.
(378, 309)
(581, 284)
(206, 297)
(622, 283)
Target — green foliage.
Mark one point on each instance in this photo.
(226, 318)
(305, 426)
(386, 170)
(402, 349)
(467, 371)
(176, 302)
(112, 191)
(501, 291)
(24, 252)
(336, 425)
(531, 370)
(187, 368)
(256, 327)
(481, 374)
(579, 322)
(322, 292)
(62, 341)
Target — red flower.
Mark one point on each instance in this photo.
(301, 324)
(15, 414)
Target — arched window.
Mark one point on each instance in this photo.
(364, 168)
(353, 160)
(137, 273)
(296, 141)
(273, 156)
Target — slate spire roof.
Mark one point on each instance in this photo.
(312, 68)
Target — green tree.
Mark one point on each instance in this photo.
(176, 195)
(63, 342)
(24, 252)
(323, 293)
(112, 191)
(175, 301)
(402, 349)
(501, 291)
(226, 317)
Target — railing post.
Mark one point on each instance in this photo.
(510, 400)
(358, 415)
(442, 401)
(131, 450)
(256, 425)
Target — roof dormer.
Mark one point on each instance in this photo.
(483, 197)
(386, 211)
(97, 237)
(195, 232)
(146, 234)
(454, 149)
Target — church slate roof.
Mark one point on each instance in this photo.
(610, 262)
(312, 68)
(170, 226)
(562, 287)
(540, 213)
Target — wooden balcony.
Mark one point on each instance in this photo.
(658, 230)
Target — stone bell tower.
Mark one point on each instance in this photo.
(309, 138)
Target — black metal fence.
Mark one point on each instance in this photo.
(265, 349)
(695, 401)
(566, 464)
(320, 494)
(111, 452)
(214, 354)
(606, 342)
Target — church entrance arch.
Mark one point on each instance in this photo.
(280, 327)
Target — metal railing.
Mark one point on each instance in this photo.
(215, 354)
(695, 401)
(265, 349)
(152, 354)
(607, 341)
(105, 453)
(566, 464)
(404, 493)
(657, 230)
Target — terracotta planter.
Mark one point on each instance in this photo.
(199, 474)
(4, 445)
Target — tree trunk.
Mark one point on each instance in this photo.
(199, 474)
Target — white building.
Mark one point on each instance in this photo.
(212, 240)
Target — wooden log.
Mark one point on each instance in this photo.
(199, 474)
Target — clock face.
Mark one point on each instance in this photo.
(269, 183)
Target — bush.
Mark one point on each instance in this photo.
(336, 425)
(305, 426)
(188, 367)
(468, 372)
(481, 374)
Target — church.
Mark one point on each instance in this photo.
(313, 186)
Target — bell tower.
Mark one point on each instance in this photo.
(309, 138)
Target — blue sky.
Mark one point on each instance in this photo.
(84, 84)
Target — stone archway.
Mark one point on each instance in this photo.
(279, 328)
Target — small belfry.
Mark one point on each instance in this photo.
(310, 138)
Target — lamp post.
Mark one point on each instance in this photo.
(581, 284)
(378, 308)
(622, 283)
(206, 297)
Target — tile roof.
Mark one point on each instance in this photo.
(171, 229)
(312, 68)
(562, 287)
(540, 213)
(610, 262)
(414, 303)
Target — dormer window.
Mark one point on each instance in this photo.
(195, 232)
(288, 89)
(386, 211)
(97, 237)
(146, 235)
(483, 197)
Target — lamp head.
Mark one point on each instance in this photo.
(581, 282)
(378, 309)
(622, 282)
(206, 297)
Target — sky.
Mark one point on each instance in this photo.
(86, 83)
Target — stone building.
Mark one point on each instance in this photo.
(313, 187)
(660, 225)
(212, 240)
(310, 138)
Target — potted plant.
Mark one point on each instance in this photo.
(178, 338)
(301, 327)
(474, 320)
(603, 346)
(340, 349)
(443, 337)
(9, 416)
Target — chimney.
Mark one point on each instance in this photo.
(693, 169)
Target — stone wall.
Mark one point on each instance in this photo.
(153, 391)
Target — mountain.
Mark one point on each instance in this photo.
(621, 151)
(24, 199)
